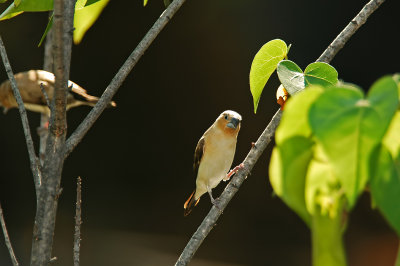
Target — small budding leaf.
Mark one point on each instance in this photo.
(264, 64)
(294, 80)
(145, 2)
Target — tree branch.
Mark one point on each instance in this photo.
(121, 75)
(34, 162)
(265, 138)
(7, 239)
(44, 119)
(349, 30)
(78, 221)
(49, 192)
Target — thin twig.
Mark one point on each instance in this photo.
(78, 221)
(7, 239)
(121, 75)
(349, 30)
(45, 95)
(262, 142)
(34, 161)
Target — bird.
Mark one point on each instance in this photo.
(213, 156)
(30, 84)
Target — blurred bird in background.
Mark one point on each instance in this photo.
(30, 86)
(214, 156)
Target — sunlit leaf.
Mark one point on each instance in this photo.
(294, 120)
(287, 173)
(294, 80)
(385, 187)
(145, 2)
(264, 64)
(349, 127)
(26, 6)
(85, 18)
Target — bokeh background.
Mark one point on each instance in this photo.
(136, 162)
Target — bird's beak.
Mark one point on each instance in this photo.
(233, 123)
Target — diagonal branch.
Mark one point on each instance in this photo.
(121, 75)
(265, 138)
(349, 30)
(34, 161)
(7, 238)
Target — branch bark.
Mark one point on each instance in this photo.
(121, 75)
(44, 119)
(265, 138)
(78, 221)
(34, 161)
(349, 30)
(7, 238)
(49, 191)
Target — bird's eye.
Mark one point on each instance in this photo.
(226, 117)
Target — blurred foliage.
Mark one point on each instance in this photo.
(332, 142)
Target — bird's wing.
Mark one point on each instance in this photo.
(198, 154)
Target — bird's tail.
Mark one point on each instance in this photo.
(189, 204)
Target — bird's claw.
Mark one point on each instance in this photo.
(233, 171)
(217, 202)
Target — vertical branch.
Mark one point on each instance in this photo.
(49, 192)
(44, 119)
(7, 238)
(34, 162)
(78, 221)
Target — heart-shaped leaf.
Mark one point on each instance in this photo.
(294, 80)
(294, 120)
(264, 64)
(385, 187)
(287, 173)
(350, 127)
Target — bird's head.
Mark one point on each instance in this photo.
(229, 121)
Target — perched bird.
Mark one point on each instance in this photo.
(29, 85)
(214, 156)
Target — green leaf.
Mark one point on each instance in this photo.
(287, 173)
(322, 190)
(167, 3)
(392, 137)
(385, 187)
(48, 27)
(17, 2)
(86, 17)
(80, 4)
(26, 6)
(264, 64)
(3, 1)
(350, 127)
(145, 2)
(294, 120)
(294, 80)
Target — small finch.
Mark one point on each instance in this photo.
(214, 156)
(30, 86)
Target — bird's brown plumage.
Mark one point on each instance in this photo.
(29, 83)
(214, 155)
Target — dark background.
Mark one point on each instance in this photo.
(136, 162)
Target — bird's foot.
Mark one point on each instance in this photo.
(233, 171)
(217, 203)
